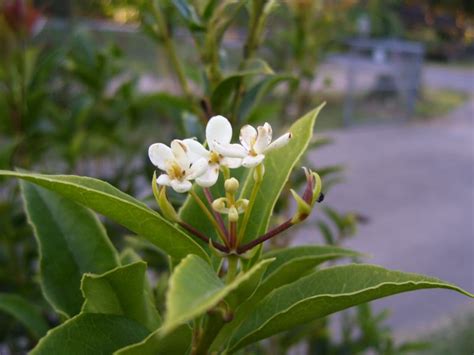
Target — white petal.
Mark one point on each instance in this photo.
(279, 142)
(163, 179)
(181, 185)
(248, 135)
(230, 150)
(250, 161)
(264, 137)
(209, 178)
(219, 130)
(180, 152)
(231, 163)
(195, 150)
(267, 126)
(198, 168)
(159, 154)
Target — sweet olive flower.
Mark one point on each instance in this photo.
(218, 131)
(255, 143)
(176, 163)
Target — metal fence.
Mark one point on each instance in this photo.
(383, 80)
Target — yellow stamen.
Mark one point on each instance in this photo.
(214, 158)
(174, 171)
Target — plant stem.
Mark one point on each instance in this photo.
(175, 63)
(217, 216)
(270, 234)
(232, 235)
(250, 45)
(213, 324)
(233, 261)
(248, 211)
(210, 217)
(201, 236)
(171, 50)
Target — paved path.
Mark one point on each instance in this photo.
(416, 183)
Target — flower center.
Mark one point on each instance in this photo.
(174, 171)
(214, 157)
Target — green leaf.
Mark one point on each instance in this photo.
(209, 9)
(290, 264)
(278, 165)
(326, 232)
(121, 291)
(122, 208)
(194, 288)
(71, 241)
(256, 93)
(248, 283)
(164, 101)
(7, 149)
(188, 12)
(129, 256)
(177, 342)
(25, 313)
(324, 292)
(225, 90)
(90, 333)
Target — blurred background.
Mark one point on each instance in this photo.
(86, 86)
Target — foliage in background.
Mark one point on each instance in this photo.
(92, 120)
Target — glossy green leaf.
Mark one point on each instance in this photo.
(290, 264)
(248, 283)
(121, 291)
(90, 333)
(120, 207)
(25, 313)
(129, 256)
(324, 292)
(278, 165)
(195, 288)
(177, 342)
(71, 241)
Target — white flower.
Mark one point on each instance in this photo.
(178, 167)
(218, 131)
(255, 144)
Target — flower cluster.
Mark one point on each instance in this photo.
(187, 160)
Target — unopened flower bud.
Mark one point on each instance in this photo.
(303, 208)
(231, 185)
(166, 207)
(242, 205)
(233, 214)
(219, 205)
(317, 195)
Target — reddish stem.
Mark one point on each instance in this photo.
(233, 234)
(201, 236)
(270, 234)
(217, 216)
